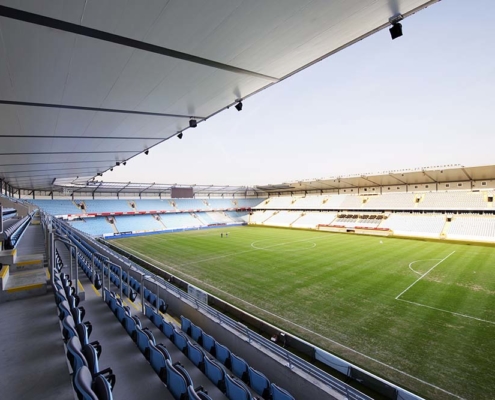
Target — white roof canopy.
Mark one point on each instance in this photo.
(85, 83)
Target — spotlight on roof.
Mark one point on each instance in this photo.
(180, 135)
(99, 174)
(193, 123)
(117, 163)
(396, 29)
(238, 106)
(147, 152)
(124, 163)
(111, 169)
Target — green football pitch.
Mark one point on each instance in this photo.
(419, 313)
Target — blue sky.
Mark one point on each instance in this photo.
(424, 99)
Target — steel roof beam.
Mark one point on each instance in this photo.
(97, 109)
(60, 25)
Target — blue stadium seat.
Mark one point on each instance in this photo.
(209, 343)
(157, 320)
(215, 372)
(74, 354)
(259, 383)
(196, 334)
(185, 325)
(88, 388)
(280, 394)
(162, 306)
(130, 324)
(158, 357)
(91, 356)
(143, 337)
(196, 355)
(222, 354)
(68, 328)
(236, 389)
(180, 340)
(176, 382)
(168, 329)
(196, 395)
(239, 367)
(121, 312)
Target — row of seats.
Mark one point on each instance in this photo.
(65, 207)
(89, 381)
(258, 382)
(174, 375)
(451, 200)
(98, 226)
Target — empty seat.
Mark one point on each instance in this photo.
(196, 395)
(168, 329)
(196, 334)
(280, 394)
(185, 325)
(236, 389)
(91, 356)
(158, 357)
(143, 337)
(196, 355)
(222, 354)
(68, 328)
(239, 367)
(209, 343)
(259, 383)
(176, 382)
(215, 372)
(180, 340)
(88, 388)
(130, 324)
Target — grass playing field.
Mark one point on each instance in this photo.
(421, 314)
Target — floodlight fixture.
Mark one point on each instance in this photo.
(193, 123)
(111, 169)
(147, 152)
(124, 163)
(117, 164)
(99, 174)
(396, 29)
(238, 106)
(180, 135)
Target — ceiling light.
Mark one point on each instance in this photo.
(396, 29)
(193, 123)
(238, 106)
(180, 135)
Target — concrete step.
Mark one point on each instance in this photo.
(28, 262)
(25, 284)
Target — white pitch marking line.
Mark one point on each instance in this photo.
(449, 312)
(302, 327)
(416, 272)
(422, 276)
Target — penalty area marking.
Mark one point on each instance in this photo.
(422, 276)
(435, 308)
(299, 326)
(413, 262)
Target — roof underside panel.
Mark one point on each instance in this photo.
(56, 82)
